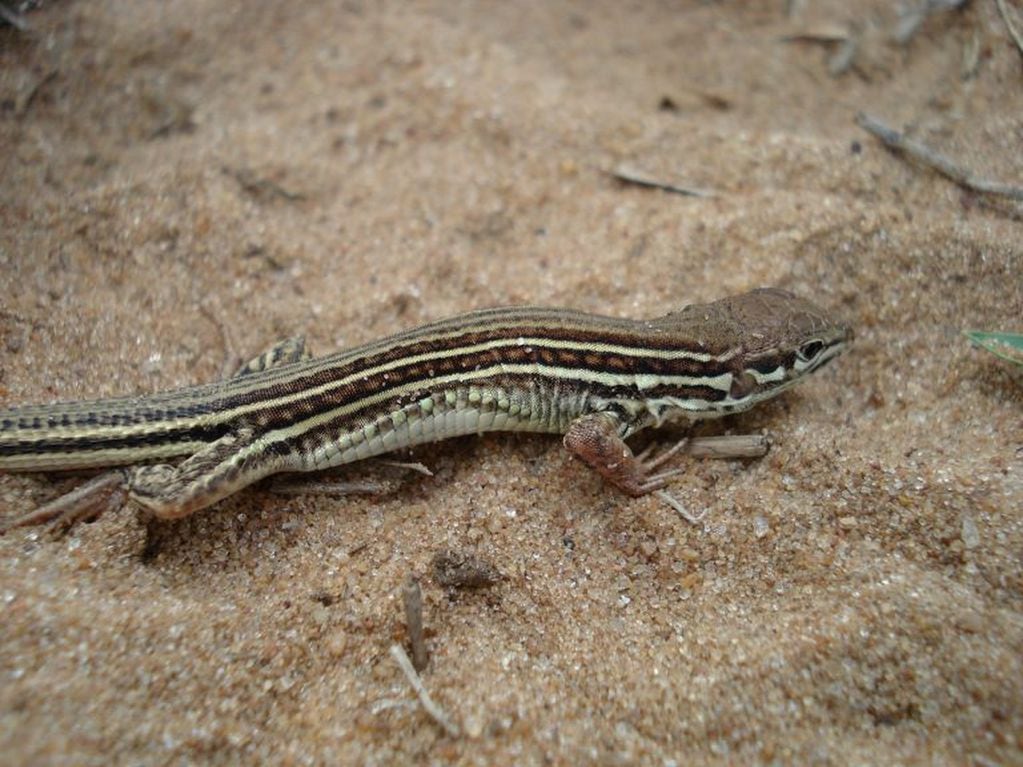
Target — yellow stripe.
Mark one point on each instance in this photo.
(296, 430)
(326, 364)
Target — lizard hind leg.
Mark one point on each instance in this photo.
(284, 352)
(106, 492)
(164, 491)
(221, 468)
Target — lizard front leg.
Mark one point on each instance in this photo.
(596, 440)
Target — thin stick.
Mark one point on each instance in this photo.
(630, 175)
(914, 18)
(14, 18)
(898, 142)
(24, 102)
(676, 504)
(431, 708)
(843, 58)
(825, 35)
(728, 446)
(411, 466)
(1008, 25)
(306, 487)
(412, 596)
(231, 359)
(262, 189)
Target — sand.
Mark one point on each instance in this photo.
(187, 182)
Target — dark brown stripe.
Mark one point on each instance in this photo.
(85, 445)
(355, 420)
(323, 372)
(189, 403)
(216, 399)
(419, 373)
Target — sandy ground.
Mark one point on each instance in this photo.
(349, 169)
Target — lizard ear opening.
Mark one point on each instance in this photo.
(743, 385)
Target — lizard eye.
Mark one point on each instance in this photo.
(811, 349)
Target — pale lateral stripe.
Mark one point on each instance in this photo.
(423, 335)
(302, 370)
(625, 351)
(778, 374)
(644, 381)
(633, 350)
(497, 319)
(722, 382)
(77, 457)
(539, 318)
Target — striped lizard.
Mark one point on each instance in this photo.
(597, 380)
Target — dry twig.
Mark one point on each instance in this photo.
(630, 175)
(913, 18)
(926, 156)
(412, 596)
(431, 708)
(676, 504)
(825, 35)
(1013, 32)
(333, 489)
(415, 466)
(728, 446)
(841, 61)
(231, 357)
(261, 189)
(14, 18)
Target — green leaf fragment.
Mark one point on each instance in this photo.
(1008, 346)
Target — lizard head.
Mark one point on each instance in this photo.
(749, 348)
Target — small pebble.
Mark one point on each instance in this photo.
(970, 534)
